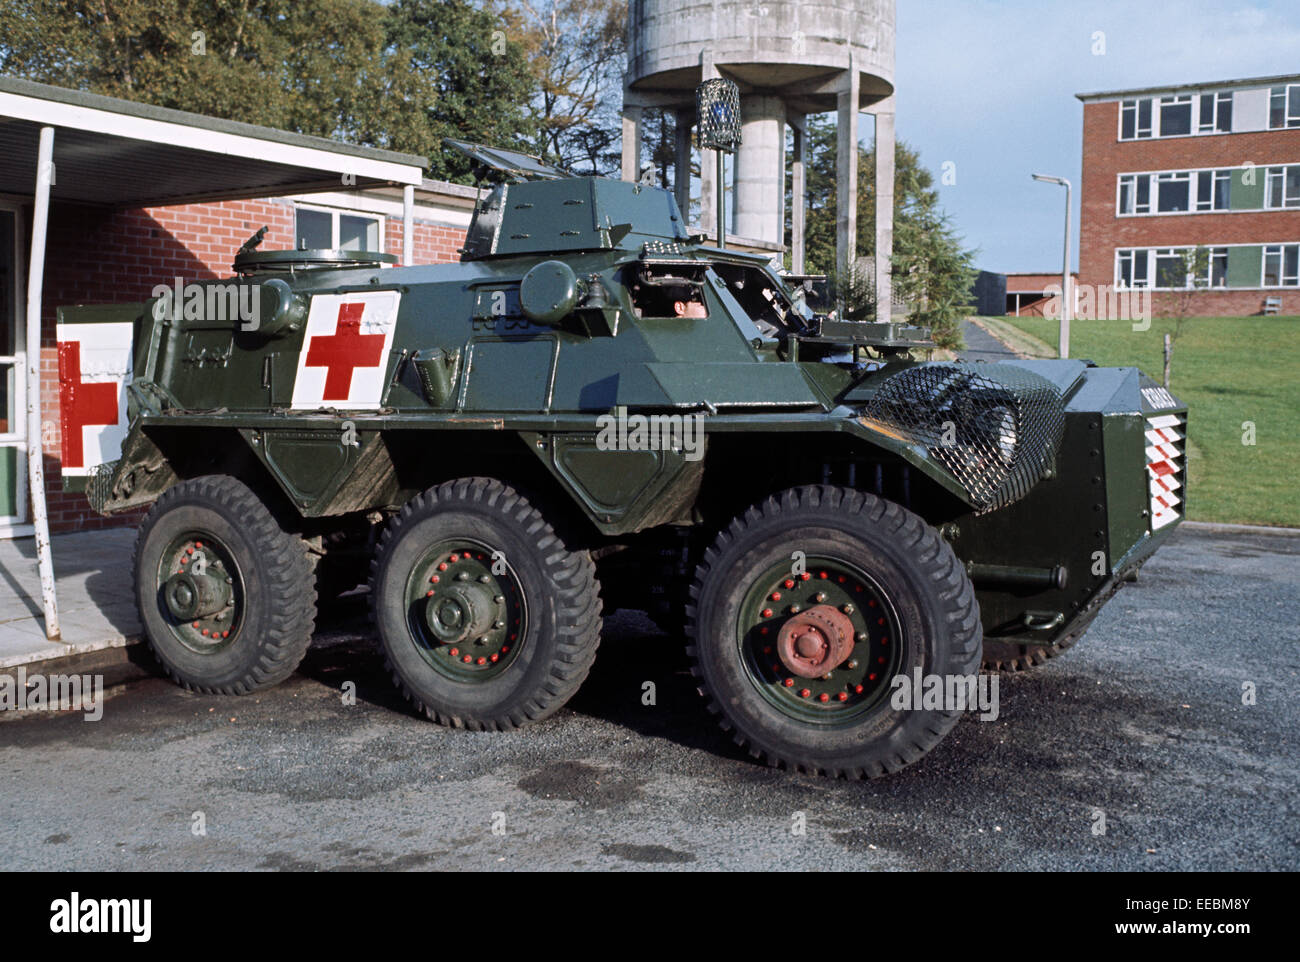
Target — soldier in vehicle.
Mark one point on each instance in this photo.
(686, 301)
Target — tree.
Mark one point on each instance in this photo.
(1189, 276)
(474, 80)
(578, 52)
(930, 268)
(401, 76)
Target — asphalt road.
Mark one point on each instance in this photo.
(1143, 721)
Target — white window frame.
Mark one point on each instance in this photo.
(1278, 175)
(335, 213)
(1291, 201)
(1289, 120)
(1223, 101)
(16, 525)
(1216, 99)
(1135, 105)
(1148, 280)
(1178, 100)
(1284, 280)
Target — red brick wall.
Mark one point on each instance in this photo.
(98, 256)
(1101, 231)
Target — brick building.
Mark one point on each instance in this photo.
(1213, 165)
(114, 234)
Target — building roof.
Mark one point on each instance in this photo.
(127, 154)
(1206, 85)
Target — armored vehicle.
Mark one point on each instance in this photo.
(594, 410)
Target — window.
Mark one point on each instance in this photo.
(1135, 119)
(1217, 269)
(1282, 187)
(1135, 194)
(325, 229)
(1282, 265)
(1170, 270)
(1212, 189)
(1131, 271)
(1176, 115)
(1215, 114)
(1133, 268)
(1284, 107)
(1174, 192)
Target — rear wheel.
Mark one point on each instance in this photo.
(807, 607)
(226, 596)
(488, 621)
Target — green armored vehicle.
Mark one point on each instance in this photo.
(594, 410)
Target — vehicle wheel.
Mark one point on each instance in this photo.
(488, 621)
(798, 659)
(225, 595)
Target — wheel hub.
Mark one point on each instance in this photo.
(815, 641)
(189, 595)
(461, 612)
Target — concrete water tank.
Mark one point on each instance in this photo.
(789, 59)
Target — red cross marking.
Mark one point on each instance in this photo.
(81, 403)
(347, 348)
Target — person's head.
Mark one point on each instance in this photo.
(686, 301)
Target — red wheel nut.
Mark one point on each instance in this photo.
(454, 558)
(442, 566)
(766, 612)
(482, 661)
(455, 652)
(857, 689)
(776, 596)
(804, 693)
(789, 582)
(467, 659)
(843, 696)
(789, 683)
(823, 697)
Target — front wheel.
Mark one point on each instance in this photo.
(226, 596)
(805, 610)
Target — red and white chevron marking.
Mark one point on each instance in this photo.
(1164, 437)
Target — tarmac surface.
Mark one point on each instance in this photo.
(1143, 723)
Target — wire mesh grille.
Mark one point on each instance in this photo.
(995, 428)
(717, 104)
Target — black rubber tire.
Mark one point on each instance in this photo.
(280, 600)
(561, 590)
(917, 571)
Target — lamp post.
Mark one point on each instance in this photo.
(1066, 299)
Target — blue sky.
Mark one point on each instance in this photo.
(990, 85)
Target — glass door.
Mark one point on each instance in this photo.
(13, 400)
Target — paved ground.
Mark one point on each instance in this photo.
(983, 346)
(1144, 721)
(92, 570)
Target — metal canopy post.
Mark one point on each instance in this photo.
(35, 447)
(408, 225)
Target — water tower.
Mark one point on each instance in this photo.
(790, 58)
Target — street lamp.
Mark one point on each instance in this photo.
(1066, 300)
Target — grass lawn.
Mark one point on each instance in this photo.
(1228, 370)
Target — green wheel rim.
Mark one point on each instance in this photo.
(466, 611)
(857, 684)
(199, 560)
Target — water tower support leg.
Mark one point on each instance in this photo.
(846, 167)
(632, 143)
(798, 192)
(683, 122)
